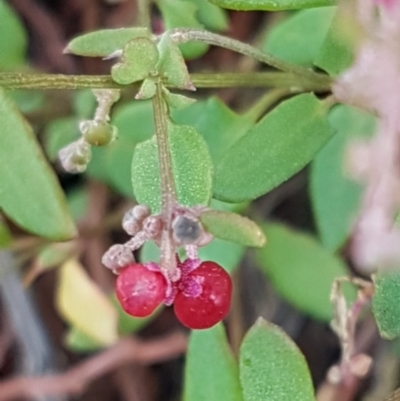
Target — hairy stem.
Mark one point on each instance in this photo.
(144, 17)
(208, 80)
(168, 191)
(182, 35)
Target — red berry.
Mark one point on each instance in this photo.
(204, 296)
(140, 290)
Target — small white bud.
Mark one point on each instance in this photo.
(75, 157)
(152, 226)
(117, 256)
(133, 219)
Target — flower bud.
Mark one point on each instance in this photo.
(75, 157)
(117, 257)
(186, 231)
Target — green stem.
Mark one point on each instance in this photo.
(208, 80)
(56, 81)
(144, 16)
(262, 80)
(182, 35)
(168, 191)
(265, 103)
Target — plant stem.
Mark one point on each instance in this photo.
(182, 35)
(144, 17)
(269, 79)
(168, 192)
(208, 80)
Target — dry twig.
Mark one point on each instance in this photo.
(75, 380)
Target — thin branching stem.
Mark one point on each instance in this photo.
(207, 80)
(167, 182)
(182, 35)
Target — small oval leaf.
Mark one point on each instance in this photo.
(29, 191)
(386, 303)
(272, 367)
(104, 42)
(172, 64)
(233, 227)
(139, 58)
(272, 5)
(295, 262)
(211, 372)
(218, 124)
(191, 163)
(212, 17)
(82, 304)
(276, 148)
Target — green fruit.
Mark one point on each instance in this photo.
(98, 133)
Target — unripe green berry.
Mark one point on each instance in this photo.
(98, 133)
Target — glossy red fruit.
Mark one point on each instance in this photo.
(204, 296)
(140, 289)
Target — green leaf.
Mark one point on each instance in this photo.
(272, 367)
(301, 270)
(139, 58)
(335, 197)
(104, 42)
(83, 305)
(298, 38)
(211, 372)
(28, 101)
(386, 303)
(337, 51)
(271, 5)
(233, 227)
(172, 65)
(135, 124)
(29, 191)
(212, 17)
(182, 14)
(147, 89)
(177, 101)
(60, 133)
(13, 38)
(277, 147)
(218, 124)
(79, 342)
(191, 164)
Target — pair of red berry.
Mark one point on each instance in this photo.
(201, 297)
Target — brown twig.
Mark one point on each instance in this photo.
(74, 381)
